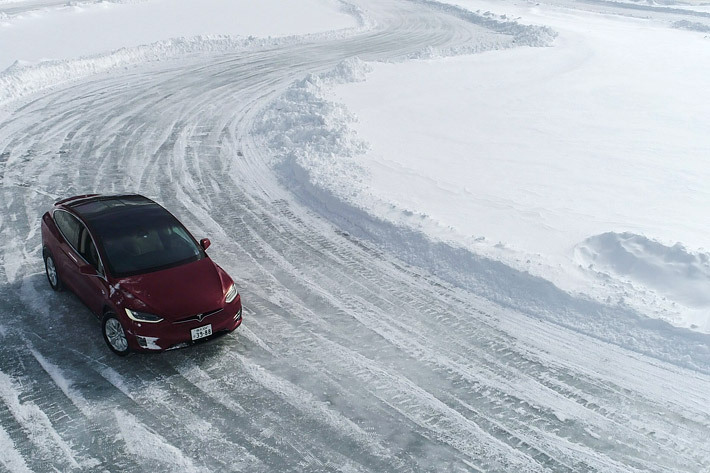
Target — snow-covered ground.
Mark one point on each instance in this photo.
(584, 163)
(383, 330)
(37, 52)
(74, 29)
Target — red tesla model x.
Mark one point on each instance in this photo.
(139, 270)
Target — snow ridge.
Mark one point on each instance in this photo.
(691, 26)
(362, 19)
(316, 152)
(20, 80)
(309, 132)
(523, 35)
(650, 6)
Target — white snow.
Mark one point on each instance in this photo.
(681, 275)
(523, 154)
(11, 458)
(40, 35)
(37, 53)
(150, 446)
(64, 383)
(479, 178)
(38, 425)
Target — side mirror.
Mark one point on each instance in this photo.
(87, 270)
(205, 243)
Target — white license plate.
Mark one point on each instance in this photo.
(201, 332)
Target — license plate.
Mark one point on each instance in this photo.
(201, 332)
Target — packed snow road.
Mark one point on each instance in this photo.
(348, 359)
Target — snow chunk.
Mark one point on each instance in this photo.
(673, 271)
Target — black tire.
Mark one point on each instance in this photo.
(112, 330)
(52, 273)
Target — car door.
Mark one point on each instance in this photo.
(92, 287)
(67, 260)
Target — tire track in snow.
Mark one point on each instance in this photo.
(415, 367)
(11, 458)
(39, 427)
(508, 395)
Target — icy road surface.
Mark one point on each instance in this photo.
(348, 359)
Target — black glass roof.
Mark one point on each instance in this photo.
(99, 210)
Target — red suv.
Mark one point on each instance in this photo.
(139, 270)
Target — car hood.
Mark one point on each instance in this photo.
(178, 292)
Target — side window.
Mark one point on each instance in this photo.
(87, 249)
(69, 226)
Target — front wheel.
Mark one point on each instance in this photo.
(114, 335)
(50, 268)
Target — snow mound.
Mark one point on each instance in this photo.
(523, 35)
(310, 135)
(691, 26)
(350, 70)
(672, 271)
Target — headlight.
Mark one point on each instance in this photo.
(143, 317)
(231, 294)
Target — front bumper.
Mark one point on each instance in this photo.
(146, 337)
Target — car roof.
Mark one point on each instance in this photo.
(95, 208)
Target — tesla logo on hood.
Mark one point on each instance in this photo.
(200, 317)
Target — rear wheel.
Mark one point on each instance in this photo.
(114, 335)
(50, 268)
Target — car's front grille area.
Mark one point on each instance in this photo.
(198, 317)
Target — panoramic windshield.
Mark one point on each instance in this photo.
(147, 242)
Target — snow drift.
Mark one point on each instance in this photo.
(316, 154)
(673, 271)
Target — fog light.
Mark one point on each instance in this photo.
(150, 343)
(239, 314)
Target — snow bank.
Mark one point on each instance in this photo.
(691, 26)
(673, 271)
(310, 135)
(23, 77)
(34, 31)
(19, 80)
(520, 155)
(668, 6)
(318, 156)
(523, 35)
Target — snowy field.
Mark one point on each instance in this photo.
(54, 30)
(468, 235)
(585, 163)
